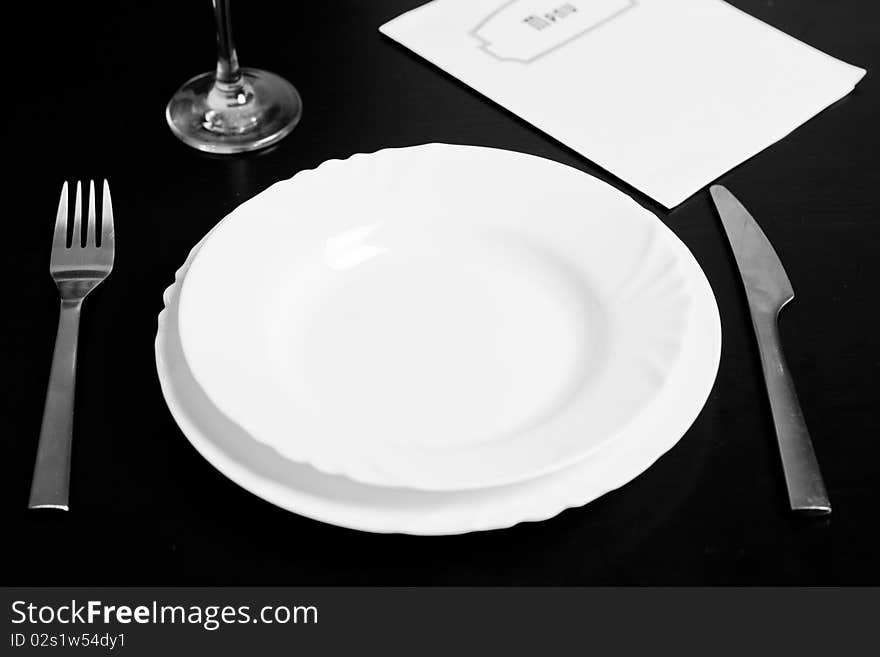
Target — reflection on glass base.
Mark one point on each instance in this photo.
(254, 113)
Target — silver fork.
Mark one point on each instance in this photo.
(77, 270)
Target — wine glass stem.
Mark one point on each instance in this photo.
(228, 71)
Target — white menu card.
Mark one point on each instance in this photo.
(665, 94)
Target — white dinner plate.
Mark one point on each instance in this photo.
(443, 318)
(340, 501)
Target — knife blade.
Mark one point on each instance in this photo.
(768, 289)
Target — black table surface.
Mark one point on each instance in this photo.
(85, 92)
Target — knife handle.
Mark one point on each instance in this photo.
(806, 490)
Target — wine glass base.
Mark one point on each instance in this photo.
(271, 109)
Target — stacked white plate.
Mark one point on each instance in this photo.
(436, 340)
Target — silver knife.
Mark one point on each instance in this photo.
(768, 290)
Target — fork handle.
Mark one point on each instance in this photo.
(51, 482)
(806, 489)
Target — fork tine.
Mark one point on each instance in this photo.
(76, 239)
(59, 238)
(108, 233)
(91, 236)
